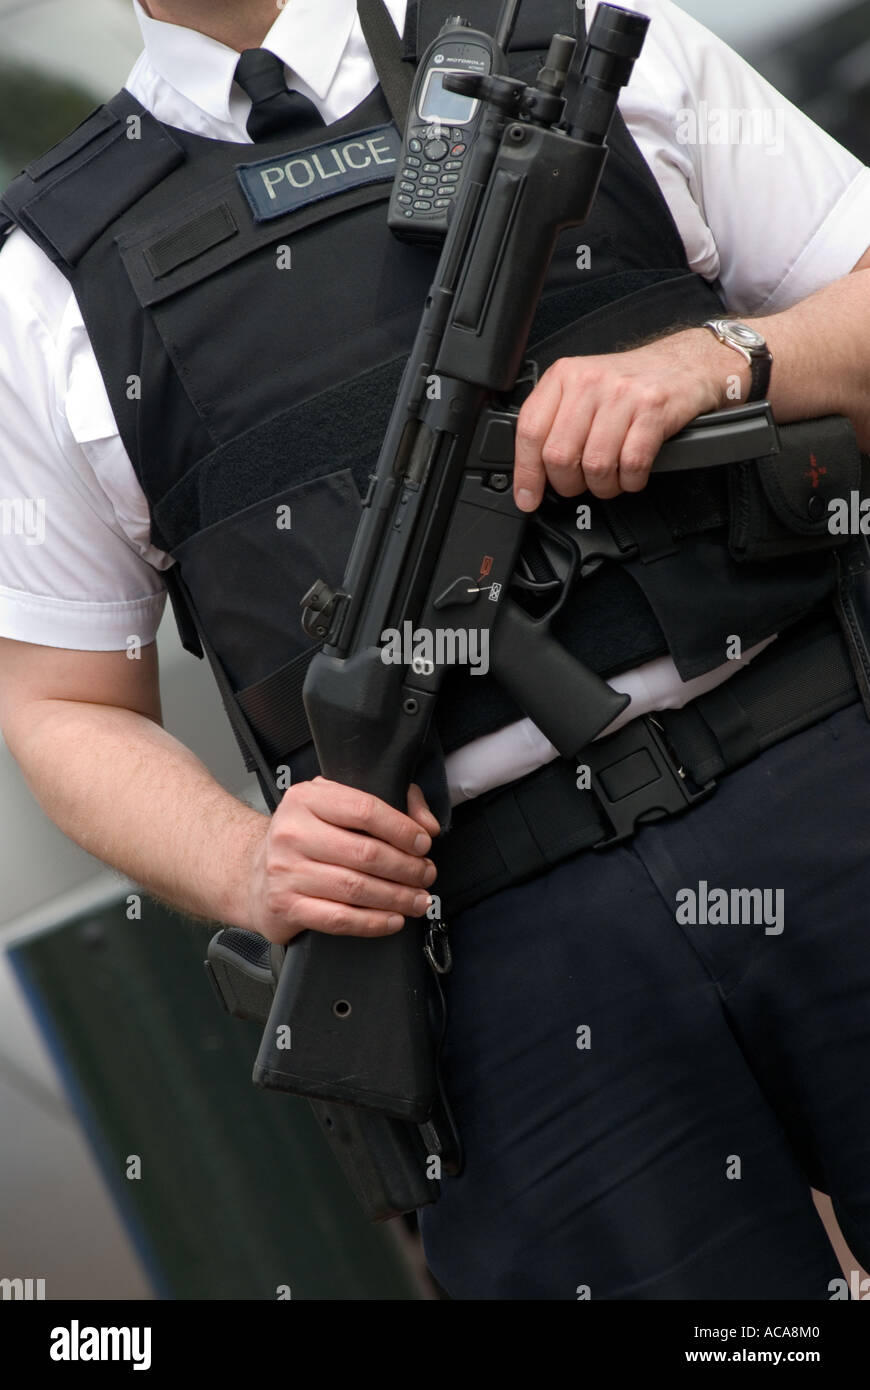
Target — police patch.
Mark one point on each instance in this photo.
(280, 185)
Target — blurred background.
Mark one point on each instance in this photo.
(112, 1048)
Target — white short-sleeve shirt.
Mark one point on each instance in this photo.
(775, 217)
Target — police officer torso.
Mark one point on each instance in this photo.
(250, 312)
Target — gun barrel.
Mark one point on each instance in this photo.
(600, 70)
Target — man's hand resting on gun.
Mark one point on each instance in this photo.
(597, 423)
(341, 861)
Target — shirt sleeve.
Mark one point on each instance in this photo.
(76, 567)
(764, 199)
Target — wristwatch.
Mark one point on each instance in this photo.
(750, 345)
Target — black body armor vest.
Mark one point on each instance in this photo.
(251, 356)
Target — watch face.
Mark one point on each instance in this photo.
(742, 334)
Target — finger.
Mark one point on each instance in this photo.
(338, 919)
(566, 442)
(604, 446)
(534, 423)
(330, 844)
(639, 452)
(418, 810)
(355, 810)
(336, 885)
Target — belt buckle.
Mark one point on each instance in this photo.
(636, 780)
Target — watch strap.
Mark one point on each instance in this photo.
(761, 364)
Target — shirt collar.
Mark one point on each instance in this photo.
(309, 36)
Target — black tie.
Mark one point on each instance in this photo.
(261, 75)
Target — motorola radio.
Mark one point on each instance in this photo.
(442, 126)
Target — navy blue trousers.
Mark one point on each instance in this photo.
(727, 1066)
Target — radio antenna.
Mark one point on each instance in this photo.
(506, 23)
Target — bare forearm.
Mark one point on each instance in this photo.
(821, 362)
(128, 792)
(821, 359)
(599, 422)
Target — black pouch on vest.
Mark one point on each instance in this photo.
(256, 627)
(780, 504)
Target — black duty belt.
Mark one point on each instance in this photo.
(657, 766)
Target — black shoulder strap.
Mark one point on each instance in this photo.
(68, 197)
(537, 22)
(385, 46)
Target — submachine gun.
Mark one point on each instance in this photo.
(352, 1023)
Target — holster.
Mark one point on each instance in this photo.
(780, 505)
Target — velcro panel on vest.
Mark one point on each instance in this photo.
(340, 429)
(192, 239)
(619, 312)
(213, 229)
(274, 708)
(785, 504)
(536, 23)
(67, 198)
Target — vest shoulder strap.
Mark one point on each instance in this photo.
(537, 22)
(385, 47)
(68, 197)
